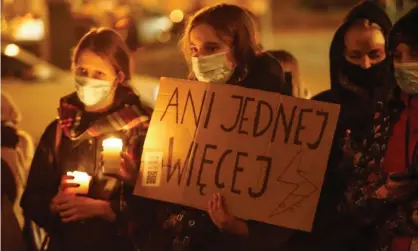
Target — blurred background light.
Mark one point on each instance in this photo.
(176, 16)
(29, 29)
(11, 50)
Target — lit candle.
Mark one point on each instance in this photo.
(112, 147)
(81, 178)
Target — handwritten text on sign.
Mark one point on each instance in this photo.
(264, 152)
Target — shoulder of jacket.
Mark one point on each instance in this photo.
(327, 96)
(52, 126)
(49, 136)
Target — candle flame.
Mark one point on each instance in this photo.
(112, 143)
(79, 175)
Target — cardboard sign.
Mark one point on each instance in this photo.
(266, 153)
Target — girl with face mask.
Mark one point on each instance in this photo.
(401, 159)
(384, 191)
(102, 106)
(219, 43)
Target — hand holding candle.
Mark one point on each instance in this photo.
(128, 171)
(80, 178)
(112, 148)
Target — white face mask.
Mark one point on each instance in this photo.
(92, 91)
(212, 68)
(406, 75)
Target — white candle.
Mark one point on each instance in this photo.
(112, 147)
(81, 178)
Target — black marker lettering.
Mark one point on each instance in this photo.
(212, 99)
(237, 170)
(266, 178)
(177, 165)
(204, 161)
(218, 169)
(176, 104)
(196, 116)
(300, 126)
(241, 98)
(321, 134)
(287, 126)
(260, 104)
(243, 118)
(189, 178)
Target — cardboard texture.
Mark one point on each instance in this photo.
(266, 153)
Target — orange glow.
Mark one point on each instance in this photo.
(112, 144)
(11, 50)
(176, 16)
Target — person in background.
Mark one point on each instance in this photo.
(16, 149)
(127, 29)
(10, 228)
(16, 152)
(292, 73)
(11, 118)
(219, 45)
(361, 77)
(103, 105)
(384, 191)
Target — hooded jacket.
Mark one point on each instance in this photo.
(391, 146)
(331, 230)
(357, 101)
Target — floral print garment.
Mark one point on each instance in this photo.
(363, 166)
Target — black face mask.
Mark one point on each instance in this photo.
(368, 79)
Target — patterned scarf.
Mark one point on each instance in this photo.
(126, 113)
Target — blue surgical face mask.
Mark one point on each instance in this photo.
(212, 68)
(406, 75)
(92, 91)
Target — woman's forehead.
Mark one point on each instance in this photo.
(364, 38)
(90, 59)
(204, 33)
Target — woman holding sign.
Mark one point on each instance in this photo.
(69, 192)
(220, 45)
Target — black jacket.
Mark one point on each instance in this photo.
(51, 161)
(331, 231)
(168, 227)
(267, 74)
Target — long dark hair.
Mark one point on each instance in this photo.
(232, 24)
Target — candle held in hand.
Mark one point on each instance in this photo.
(81, 178)
(112, 147)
